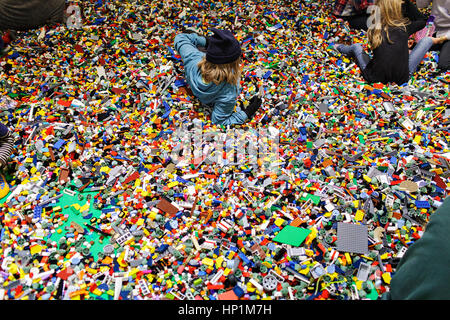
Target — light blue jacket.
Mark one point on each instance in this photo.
(222, 97)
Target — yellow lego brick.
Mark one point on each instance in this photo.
(359, 284)
(385, 256)
(304, 271)
(279, 222)
(172, 184)
(85, 207)
(359, 215)
(417, 139)
(133, 272)
(104, 269)
(137, 183)
(250, 287)
(311, 236)
(105, 169)
(16, 231)
(333, 275)
(208, 262)
(348, 258)
(35, 249)
(219, 261)
(152, 214)
(386, 277)
(97, 292)
(13, 268)
(230, 255)
(91, 271)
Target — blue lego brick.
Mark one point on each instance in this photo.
(162, 248)
(37, 212)
(238, 291)
(422, 204)
(59, 144)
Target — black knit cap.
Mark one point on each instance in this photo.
(222, 47)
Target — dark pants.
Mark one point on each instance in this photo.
(444, 55)
(22, 15)
(358, 22)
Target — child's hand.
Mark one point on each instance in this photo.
(410, 43)
(439, 40)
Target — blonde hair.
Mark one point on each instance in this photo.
(218, 73)
(391, 15)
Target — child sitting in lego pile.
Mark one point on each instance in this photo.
(441, 11)
(6, 148)
(388, 39)
(214, 76)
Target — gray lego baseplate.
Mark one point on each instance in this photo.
(352, 238)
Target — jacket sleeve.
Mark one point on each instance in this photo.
(186, 45)
(422, 273)
(415, 26)
(223, 113)
(410, 11)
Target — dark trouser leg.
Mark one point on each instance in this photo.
(444, 56)
(57, 14)
(358, 22)
(46, 13)
(366, 58)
